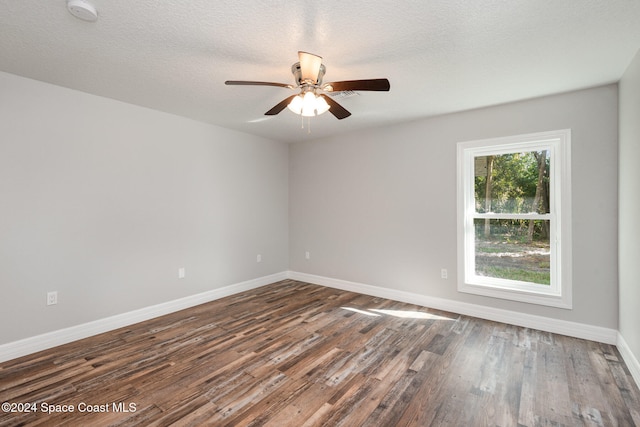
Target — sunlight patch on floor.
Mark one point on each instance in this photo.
(357, 310)
(405, 314)
(409, 314)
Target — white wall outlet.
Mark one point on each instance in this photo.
(259, 258)
(443, 273)
(52, 298)
(307, 255)
(182, 273)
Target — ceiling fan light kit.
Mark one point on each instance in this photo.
(312, 99)
(308, 105)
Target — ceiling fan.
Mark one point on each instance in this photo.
(313, 99)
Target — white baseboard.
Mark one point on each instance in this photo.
(629, 358)
(48, 340)
(563, 327)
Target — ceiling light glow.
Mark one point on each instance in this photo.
(308, 105)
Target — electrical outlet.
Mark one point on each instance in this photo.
(443, 273)
(259, 258)
(307, 255)
(52, 298)
(182, 273)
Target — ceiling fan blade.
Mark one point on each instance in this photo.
(309, 66)
(250, 83)
(336, 109)
(280, 106)
(370, 84)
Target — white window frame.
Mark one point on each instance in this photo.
(559, 292)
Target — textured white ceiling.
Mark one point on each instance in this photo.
(440, 56)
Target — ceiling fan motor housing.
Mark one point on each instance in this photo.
(297, 75)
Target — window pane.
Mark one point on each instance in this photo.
(513, 249)
(514, 182)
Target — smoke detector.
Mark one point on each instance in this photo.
(82, 9)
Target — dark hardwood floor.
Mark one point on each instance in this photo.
(295, 354)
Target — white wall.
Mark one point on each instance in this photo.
(378, 207)
(103, 201)
(629, 208)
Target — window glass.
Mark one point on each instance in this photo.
(513, 182)
(507, 252)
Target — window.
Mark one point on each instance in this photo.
(514, 215)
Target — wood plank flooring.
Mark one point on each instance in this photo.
(296, 354)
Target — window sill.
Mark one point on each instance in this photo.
(529, 297)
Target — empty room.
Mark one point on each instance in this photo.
(268, 213)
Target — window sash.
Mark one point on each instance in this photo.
(529, 215)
